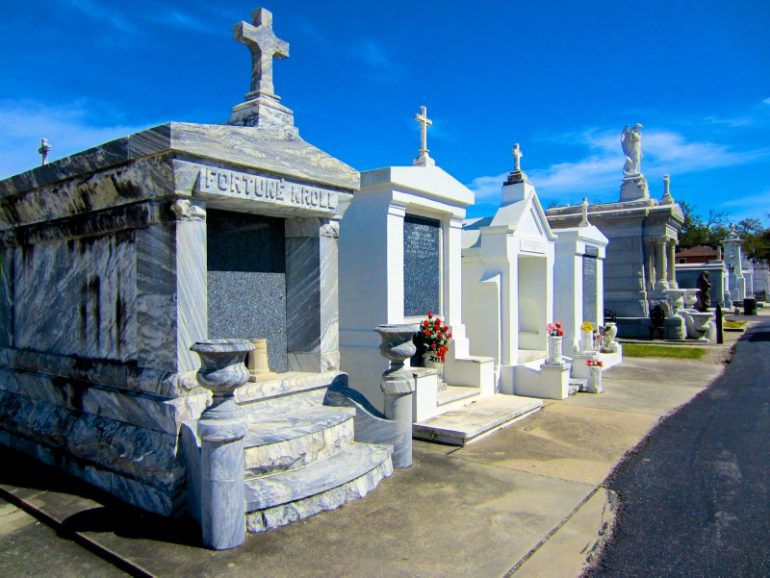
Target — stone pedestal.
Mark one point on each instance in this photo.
(258, 362)
(634, 188)
(222, 429)
(555, 350)
(398, 385)
(595, 383)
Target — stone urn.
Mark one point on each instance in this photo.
(397, 346)
(223, 368)
(675, 298)
(397, 385)
(554, 350)
(221, 429)
(690, 297)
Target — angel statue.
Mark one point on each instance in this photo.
(631, 140)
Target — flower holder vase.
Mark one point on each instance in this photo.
(555, 349)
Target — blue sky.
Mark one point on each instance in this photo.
(560, 78)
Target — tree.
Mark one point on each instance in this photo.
(694, 232)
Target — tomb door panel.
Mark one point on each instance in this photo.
(247, 280)
(422, 266)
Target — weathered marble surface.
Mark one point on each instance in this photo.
(350, 464)
(243, 146)
(278, 516)
(150, 497)
(95, 313)
(138, 453)
(281, 442)
(142, 410)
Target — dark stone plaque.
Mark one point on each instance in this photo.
(589, 288)
(247, 280)
(422, 269)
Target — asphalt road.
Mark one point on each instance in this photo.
(695, 498)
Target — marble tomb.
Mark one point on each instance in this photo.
(151, 243)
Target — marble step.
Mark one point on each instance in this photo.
(476, 420)
(279, 442)
(287, 391)
(577, 384)
(293, 486)
(453, 393)
(354, 489)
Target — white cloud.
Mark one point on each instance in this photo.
(599, 172)
(766, 101)
(379, 64)
(129, 19)
(68, 128)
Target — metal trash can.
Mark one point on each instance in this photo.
(749, 306)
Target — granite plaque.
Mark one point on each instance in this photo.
(422, 268)
(589, 289)
(247, 280)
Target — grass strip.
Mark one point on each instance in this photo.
(670, 351)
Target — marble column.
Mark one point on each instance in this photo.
(671, 269)
(312, 297)
(650, 262)
(660, 268)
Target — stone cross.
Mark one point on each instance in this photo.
(424, 158)
(264, 46)
(425, 122)
(584, 213)
(44, 149)
(517, 154)
(667, 198)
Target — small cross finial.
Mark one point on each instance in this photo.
(584, 213)
(264, 46)
(516, 175)
(44, 149)
(517, 154)
(667, 198)
(424, 158)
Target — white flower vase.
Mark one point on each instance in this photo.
(554, 350)
(595, 384)
(586, 342)
(608, 339)
(428, 361)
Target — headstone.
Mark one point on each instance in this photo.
(421, 265)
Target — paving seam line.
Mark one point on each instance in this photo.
(548, 536)
(79, 538)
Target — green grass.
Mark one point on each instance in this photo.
(734, 324)
(672, 351)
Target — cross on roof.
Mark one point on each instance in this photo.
(584, 213)
(423, 159)
(44, 149)
(517, 154)
(264, 46)
(425, 122)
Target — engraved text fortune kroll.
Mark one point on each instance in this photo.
(268, 189)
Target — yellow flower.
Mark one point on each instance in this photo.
(587, 326)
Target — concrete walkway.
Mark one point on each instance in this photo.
(527, 500)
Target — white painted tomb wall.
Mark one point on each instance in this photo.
(371, 261)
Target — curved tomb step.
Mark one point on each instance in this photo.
(302, 492)
(280, 442)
